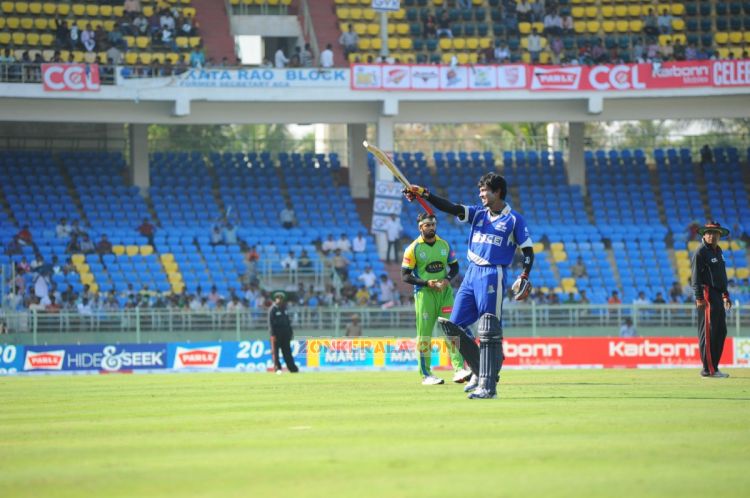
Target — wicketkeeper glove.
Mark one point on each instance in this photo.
(521, 288)
(415, 190)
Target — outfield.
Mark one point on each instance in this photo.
(552, 433)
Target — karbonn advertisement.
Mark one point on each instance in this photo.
(618, 77)
(357, 354)
(70, 77)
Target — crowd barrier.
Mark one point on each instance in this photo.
(327, 354)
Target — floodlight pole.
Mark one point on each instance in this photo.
(383, 34)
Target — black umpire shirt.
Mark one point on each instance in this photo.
(709, 269)
(278, 321)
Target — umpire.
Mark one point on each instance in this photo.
(281, 333)
(709, 281)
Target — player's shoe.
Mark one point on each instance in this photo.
(462, 376)
(482, 394)
(471, 384)
(431, 380)
(720, 375)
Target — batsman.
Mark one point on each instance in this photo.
(429, 264)
(495, 232)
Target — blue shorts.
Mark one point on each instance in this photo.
(482, 291)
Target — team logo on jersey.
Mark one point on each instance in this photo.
(501, 226)
(714, 260)
(422, 255)
(490, 289)
(435, 267)
(443, 252)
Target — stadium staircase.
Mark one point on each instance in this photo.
(216, 33)
(327, 29)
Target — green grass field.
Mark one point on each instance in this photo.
(552, 433)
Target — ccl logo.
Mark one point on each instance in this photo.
(70, 77)
(619, 77)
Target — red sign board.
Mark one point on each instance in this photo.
(70, 77)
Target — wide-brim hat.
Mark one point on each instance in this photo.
(713, 226)
(280, 294)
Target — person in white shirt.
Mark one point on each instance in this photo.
(329, 245)
(326, 57)
(344, 244)
(63, 229)
(393, 230)
(368, 277)
(359, 243)
(290, 262)
(387, 291)
(280, 59)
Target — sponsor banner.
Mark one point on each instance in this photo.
(614, 77)
(424, 77)
(199, 356)
(366, 77)
(70, 77)
(245, 78)
(396, 77)
(256, 355)
(95, 357)
(741, 351)
(605, 352)
(385, 188)
(731, 73)
(372, 353)
(383, 205)
(386, 5)
(11, 359)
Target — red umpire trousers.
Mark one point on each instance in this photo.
(712, 329)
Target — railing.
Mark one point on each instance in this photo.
(158, 325)
(308, 29)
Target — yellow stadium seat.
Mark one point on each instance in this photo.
(118, 250)
(78, 9)
(41, 23)
(22, 7)
(368, 14)
(109, 25)
(13, 23)
(118, 11)
(392, 43)
(144, 58)
(146, 250)
(735, 37)
(7, 7)
(592, 26)
(355, 14)
(743, 272)
(178, 287)
(462, 57)
(679, 38)
(568, 282)
(636, 26)
(391, 28)
(373, 29)
(49, 8)
(560, 256)
(82, 23)
(78, 56)
(724, 245)
(87, 278)
(142, 41)
(18, 38)
(166, 257)
(524, 28)
(608, 26)
(664, 39)
(402, 28)
(32, 39)
(195, 41)
(174, 278)
(35, 8)
(735, 245)
(621, 11)
(622, 26)
(678, 9)
(360, 28)
(608, 10)
(459, 43)
(363, 44)
(105, 10)
(557, 246)
(577, 12)
(721, 37)
(634, 10)
(678, 24)
(65, 55)
(446, 58)
(579, 27)
(591, 12)
(539, 26)
(78, 259)
(445, 44)
(472, 44)
(746, 37)
(693, 245)
(189, 11)
(525, 43)
(147, 10)
(730, 272)
(181, 41)
(353, 57)
(63, 9)
(376, 44)
(526, 58)
(399, 14)
(27, 23)
(538, 247)
(172, 57)
(343, 12)
(92, 10)
(131, 250)
(404, 44)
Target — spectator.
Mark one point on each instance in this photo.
(523, 11)
(641, 300)
(104, 246)
(214, 297)
(553, 24)
(584, 297)
(340, 264)
(359, 243)
(230, 233)
(344, 244)
(304, 260)
(430, 26)
(556, 48)
(132, 6)
(348, 41)
(290, 262)
(707, 157)
(571, 298)
(567, 25)
(534, 45)
(329, 245)
(279, 59)
(368, 277)
(664, 21)
(659, 299)
(362, 297)
(578, 270)
(387, 293)
(148, 230)
(666, 51)
(678, 51)
(675, 293)
(444, 25)
(216, 237)
(286, 216)
(650, 23)
(326, 57)
(85, 244)
(75, 35)
(296, 58)
(63, 229)
(62, 34)
(306, 57)
(501, 54)
(614, 298)
(537, 12)
(353, 328)
(197, 58)
(87, 38)
(638, 51)
(393, 230)
(628, 329)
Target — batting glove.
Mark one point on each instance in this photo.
(521, 287)
(414, 191)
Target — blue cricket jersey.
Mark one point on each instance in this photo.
(493, 239)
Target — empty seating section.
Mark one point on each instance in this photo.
(622, 28)
(31, 27)
(629, 232)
